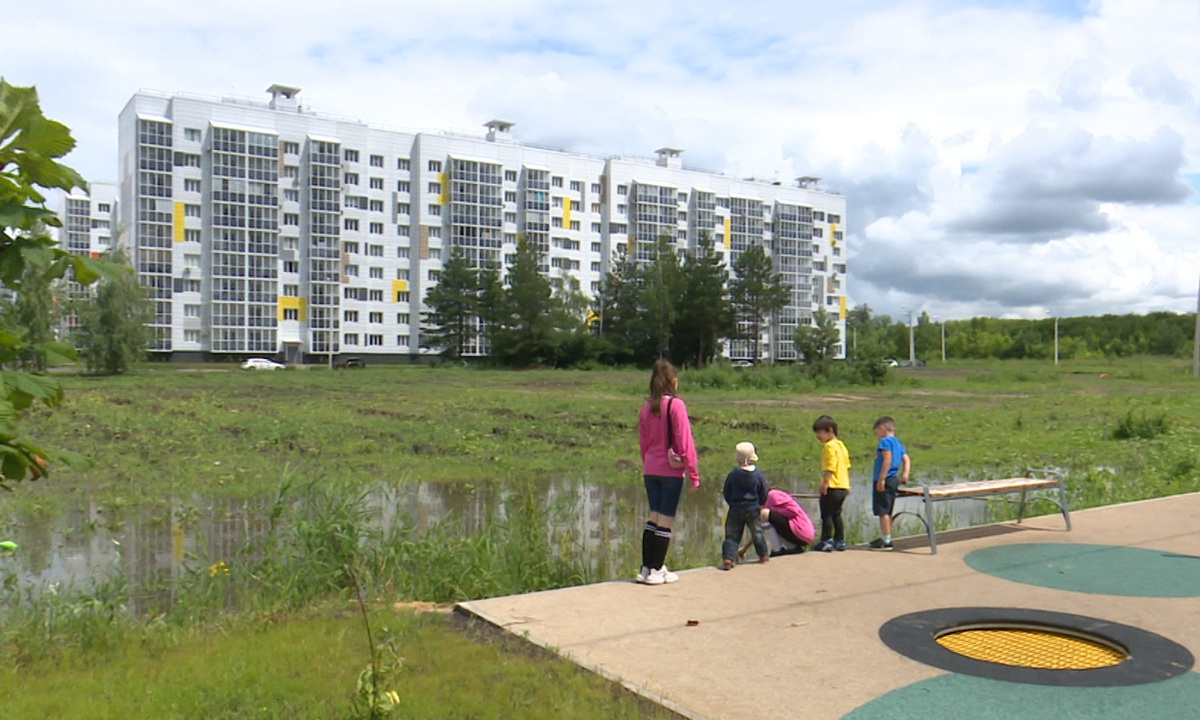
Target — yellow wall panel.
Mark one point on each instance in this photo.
(842, 308)
(728, 233)
(444, 179)
(398, 286)
(293, 303)
(179, 234)
(567, 213)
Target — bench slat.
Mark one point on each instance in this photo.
(980, 486)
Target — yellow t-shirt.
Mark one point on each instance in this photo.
(836, 459)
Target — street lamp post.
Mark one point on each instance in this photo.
(912, 352)
(943, 321)
(1056, 341)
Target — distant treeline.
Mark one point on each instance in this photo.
(1159, 333)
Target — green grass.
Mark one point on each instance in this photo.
(304, 665)
(167, 445)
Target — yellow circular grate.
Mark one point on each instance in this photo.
(1032, 648)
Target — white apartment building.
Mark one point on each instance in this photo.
(263, 228)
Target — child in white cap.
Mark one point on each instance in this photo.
(746, 492)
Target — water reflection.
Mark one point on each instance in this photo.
(600, 523)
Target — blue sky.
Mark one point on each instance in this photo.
(1006, 158)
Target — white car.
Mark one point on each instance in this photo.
(262, 364)
(742, 364)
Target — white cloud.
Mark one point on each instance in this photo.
(999, 157)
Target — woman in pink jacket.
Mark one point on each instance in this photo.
(668, 456)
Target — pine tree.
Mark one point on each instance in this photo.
(756, 291)
(705, 314)
(453, 306)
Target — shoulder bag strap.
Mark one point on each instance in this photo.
(670, 429)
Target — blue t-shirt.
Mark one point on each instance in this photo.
(893, 444)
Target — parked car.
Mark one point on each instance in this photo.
(742, 364)
(912, 363)
(349, 363)
(890, 362)
(262, 364)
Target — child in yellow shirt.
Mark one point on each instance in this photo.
(835, 484)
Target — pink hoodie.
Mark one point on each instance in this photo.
(798, 520)
(652, 434)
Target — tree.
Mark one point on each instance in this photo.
(816, 343)
(756, 291)
(112, 334)
(662, 283)
(618, 306)
(30, 145)
(453, 306)
(705, 315)
(525, 322)
(35, 308)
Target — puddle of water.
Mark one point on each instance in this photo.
(154, 547)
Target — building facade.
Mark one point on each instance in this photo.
(263, 228)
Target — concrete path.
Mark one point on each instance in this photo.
(801, 633)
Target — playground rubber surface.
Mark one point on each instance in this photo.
(854, 634)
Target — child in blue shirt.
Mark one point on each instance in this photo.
(892, 466)
(746, 492)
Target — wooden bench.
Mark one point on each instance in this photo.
(931, 494)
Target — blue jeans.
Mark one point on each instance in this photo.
(735, 521)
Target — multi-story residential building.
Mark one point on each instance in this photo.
(266, 228)
(89, 225)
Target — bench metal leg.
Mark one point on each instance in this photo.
(1021, 508)
(929, 526)
(1062, 498)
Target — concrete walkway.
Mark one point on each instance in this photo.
(799, 636)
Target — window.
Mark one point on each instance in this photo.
(837, 234)
(375, 340)
(596, 248)
(291, 219)
(350, 271)
(376, 273)
(401, 273)
(595, 267)
(187, 160)
(402, 296)
(833, 219)
(595, 207)
(350, 178)
(510, 176)
(191, 336)
(402, 318)
(432, 275)
(375, 296)
(375, 250)
(291, 290)
(402, 186)
(350, 316)
(192, 311)
(435, 166)
(291, 266)
(510, 196)
(291, 148)
(350, 338)
(435, 210)
(376, 183)
(103, 208)
(576, 186)
(192, 134)
(402, 231)
(595, 229)
(622, 189)
(556, 181)
(556, 222)
(595, 188)
(291, 196)
(575, 225)
(350, 224)
(191, 286)
(401, 163)
(351, 155)
(377, 161)
(191, 236)
(819, 215)
(350, 247)
(376, 228)
(191, 211)
(435, 188)
(402, 252)
(190, 185)
(376, 317)
(291, 313)
(556, 202)
(403, 209)
(291, 171)
(435, 253)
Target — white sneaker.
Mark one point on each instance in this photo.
(641, 576)
(661, 576)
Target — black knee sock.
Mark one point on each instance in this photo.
(648, 544)
(662, 541)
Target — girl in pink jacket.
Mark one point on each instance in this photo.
(668, 456)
